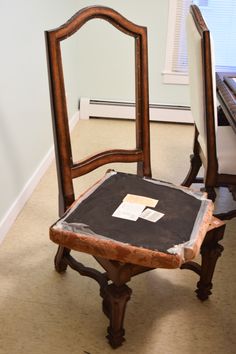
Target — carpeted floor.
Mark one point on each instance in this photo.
(42, 312)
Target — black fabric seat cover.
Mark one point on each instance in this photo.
(175, 227)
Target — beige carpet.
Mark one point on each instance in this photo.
(42, 312)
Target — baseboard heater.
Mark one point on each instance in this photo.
(96, 108)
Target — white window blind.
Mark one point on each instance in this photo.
(220, 17)
(179, 60)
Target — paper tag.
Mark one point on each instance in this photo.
(151, 215)
(138, 199)
(129, 211)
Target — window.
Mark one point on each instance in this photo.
(220, 17)
(176, 53)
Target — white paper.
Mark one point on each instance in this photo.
(129, 211)
(151, 215)
(138, 199)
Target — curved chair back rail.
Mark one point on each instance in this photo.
(141, 153)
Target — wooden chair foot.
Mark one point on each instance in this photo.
(59, 261)
(115, 299)
(115, 339)
(203, 291)
(211, 250)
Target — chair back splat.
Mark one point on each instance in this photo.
(67, 169)
(130, 223)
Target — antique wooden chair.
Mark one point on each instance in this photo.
(214, 145)
(124, 248)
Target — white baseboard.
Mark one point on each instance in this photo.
(125, 110)
(74, 120)
(24, 195)
(29, 187)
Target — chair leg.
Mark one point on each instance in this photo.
(115, 299)
(210, 252)
(60, 264)
(211, 193)
(195, 166)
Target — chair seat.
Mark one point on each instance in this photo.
(226, 150)
(89, 226)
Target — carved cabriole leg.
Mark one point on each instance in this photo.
(59, 261)
(210, 252)
(196, 163)
(115, 299)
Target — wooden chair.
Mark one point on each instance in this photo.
(214, 146)
(124, 248)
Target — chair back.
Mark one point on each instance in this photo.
(202, 84)
(68, 169)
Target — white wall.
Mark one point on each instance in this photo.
(25, 125)
(25, 120)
